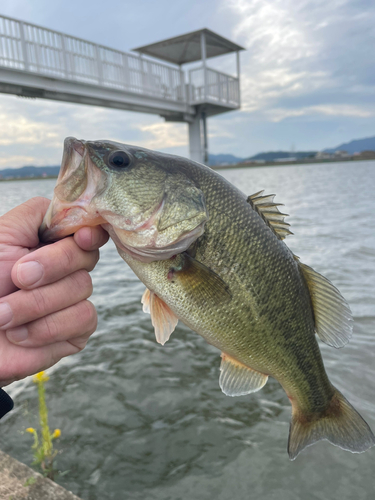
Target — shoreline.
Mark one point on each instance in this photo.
(301, 163)
(10, 179)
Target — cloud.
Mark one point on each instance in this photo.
(16, 161)
(278, 46)
(21, 130)
(278, 114)
(305, 56)
(307, 76)
(163, 135)
(167, 135)
(33, 131)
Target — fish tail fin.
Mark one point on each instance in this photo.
(340, 424)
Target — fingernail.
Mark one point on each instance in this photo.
(95, 237)
(29, 273)
(17, 335)
(6, 313)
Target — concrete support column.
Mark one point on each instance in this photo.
(195, 139)
(203, 56)
(238, 76)
(205, 140)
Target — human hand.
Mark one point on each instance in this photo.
(44, 311)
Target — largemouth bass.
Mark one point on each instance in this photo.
(216, 260)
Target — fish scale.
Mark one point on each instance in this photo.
(235, 329)
(214, 259)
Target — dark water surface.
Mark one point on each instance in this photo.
(142, 421)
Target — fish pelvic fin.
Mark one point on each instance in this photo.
(340, 424)
(333, 318)
(163, 318)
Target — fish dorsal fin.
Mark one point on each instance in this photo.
(269, 212)
(236, 379)
(333, 318)
(163, 319)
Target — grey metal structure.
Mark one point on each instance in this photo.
(38, 62)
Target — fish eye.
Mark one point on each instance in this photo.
(118, 159)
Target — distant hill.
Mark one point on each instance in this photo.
(274, 155)
(222, 158)
(270, 156)
(355, 146)
(29, 172)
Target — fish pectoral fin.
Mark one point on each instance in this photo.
(145, 300)
(201, 282)
(268, 210)
(236, 379)
(333, 318)
(163, 318)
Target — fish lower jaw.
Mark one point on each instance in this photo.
(150, 253)
(63, 223)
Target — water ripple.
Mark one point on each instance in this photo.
(143, 421)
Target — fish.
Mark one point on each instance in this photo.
(215, 259)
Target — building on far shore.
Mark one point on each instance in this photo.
(324, 155)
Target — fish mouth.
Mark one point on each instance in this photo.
(80, 200)
(60, 222)
(78, 182)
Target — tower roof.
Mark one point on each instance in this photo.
(187, 48)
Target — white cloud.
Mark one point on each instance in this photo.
(307, 59)
(21, 130)
(167, 135)
(163, 135)
(278, 44)
(16, 161)
(279, 114)
(296, 62)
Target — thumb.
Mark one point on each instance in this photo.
(19, 235)
(19, 227)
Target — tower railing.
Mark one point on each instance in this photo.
(217, 87)
(32, 49)
(26, 47)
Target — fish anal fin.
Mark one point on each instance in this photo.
(269, 212)
(163, 318)
(340, 424)
(333, 318)
(236, 379)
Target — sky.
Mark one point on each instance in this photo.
(307, 76)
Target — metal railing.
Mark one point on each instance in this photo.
(30, 48)
(218, 87)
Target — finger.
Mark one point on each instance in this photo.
(18, 234)
(19, 362)
(52, 263)
(19, 227)
(24, 306)
(74, 324)
(91, 238)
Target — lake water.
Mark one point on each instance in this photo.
(141, 421)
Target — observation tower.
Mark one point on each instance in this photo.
(41, 63)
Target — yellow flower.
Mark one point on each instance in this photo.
(31, 430)
(56, 434)
(40, 377)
